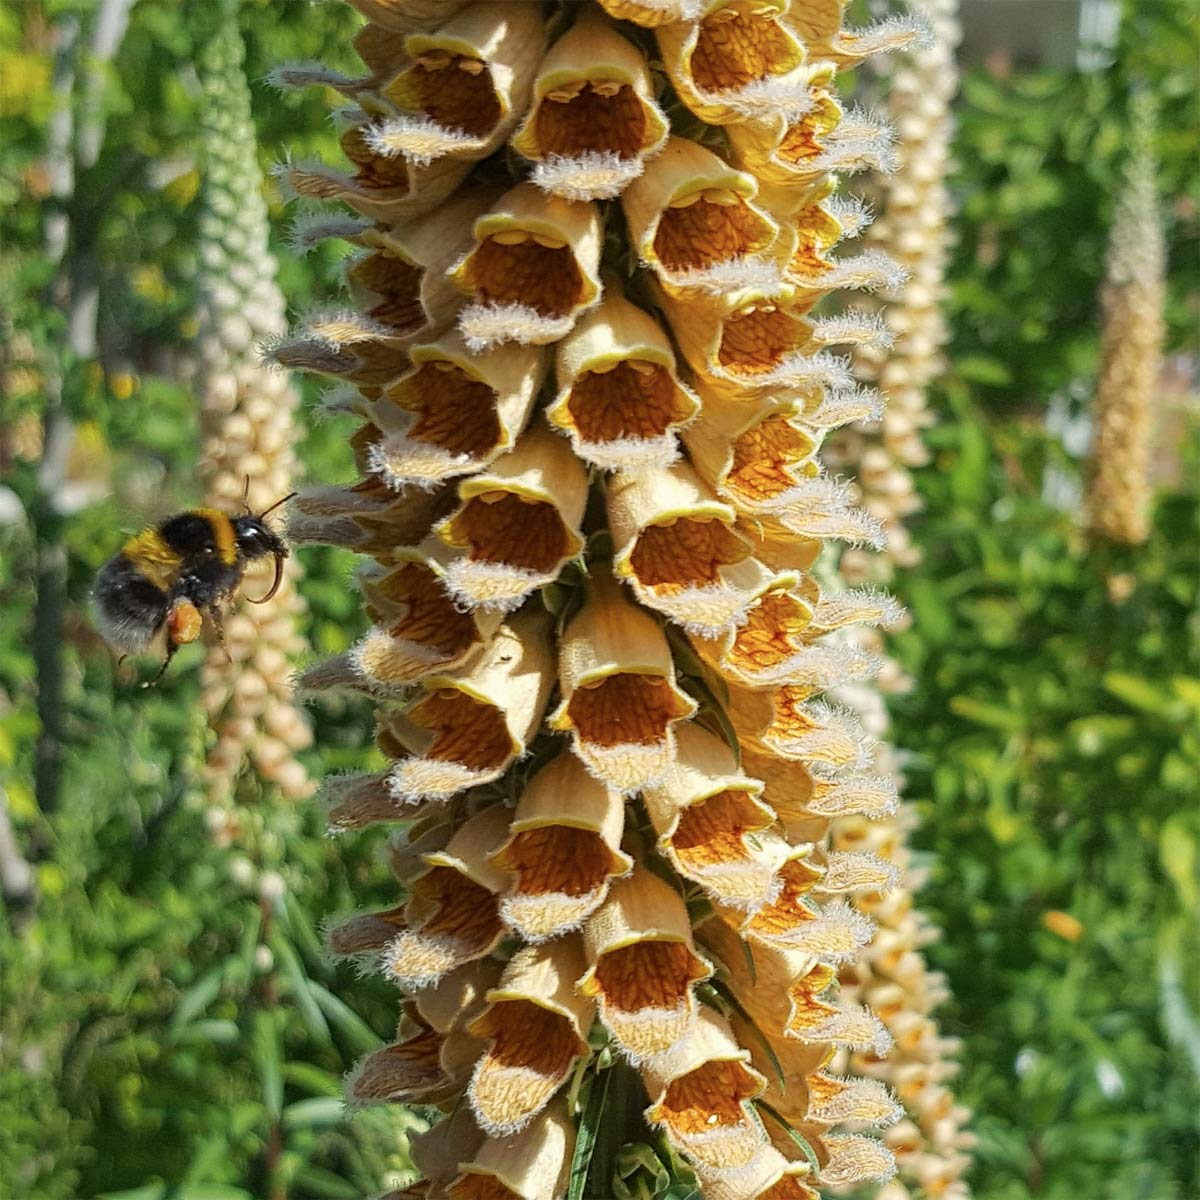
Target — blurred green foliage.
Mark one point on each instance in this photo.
(171, 1030)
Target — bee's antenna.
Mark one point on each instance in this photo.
(246, 496)
(277, 503)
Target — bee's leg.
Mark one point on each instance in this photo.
(172, 646)
(216, 617)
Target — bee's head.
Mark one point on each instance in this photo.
(256, 539)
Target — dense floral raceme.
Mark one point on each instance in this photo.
(1118, 487)
(248, 431)
(596, 337)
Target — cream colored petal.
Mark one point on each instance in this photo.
(833, 1100)
(534, 269)
(750, 451)
(563, 848)
(517, 523)
(675, 544)
(620, 701)
(470, 726)
(437, 1152)
(856, 1159)
(699, 1096)
(384, 189)
(619, 397)
(465, 85)
(651, 13)
(769, 1176)
(737, 62)
(692, 219)
(768, 649)
(453, 412)
(753, 338)
(452, 916)
(643, 966)
(711, 822)
(536, 1024)
(593, 119)
(367, 517)
(785, 723)
(455, 1002)
(530, 1165)
(848, 47)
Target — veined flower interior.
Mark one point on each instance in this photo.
(514, 529)
(771, 634)
(685, 550)
(468, 731)
(397, 283)
(474, 1186)
(429, 617)
(711, 1097)
(706, 227)
(629, 399)
(739, 44)
(591, 116)
(537, 270)
(454, 91)
(455, 909)
(625, 709)
(713, 832)
(757, 337)
(766, 458)
(455, 411)
(557, 860)
(373, 170)
(655, 975)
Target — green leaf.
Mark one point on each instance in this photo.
(300, 987)
(195, 1000)
(317, 1113)
(1137, 692)
(587, 1136)
(265, 1048)
(344, 1019)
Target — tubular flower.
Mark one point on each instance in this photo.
(563, 849)
(643, 966)
(620, 398)
(593, 121)
(247, 431)
(1118, 488)
(536, 1024)
(620, 699)
(599, 650)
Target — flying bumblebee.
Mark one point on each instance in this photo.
(171, 575)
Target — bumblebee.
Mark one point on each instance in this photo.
(171, 575)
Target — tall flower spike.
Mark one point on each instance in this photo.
(465, 85)
(685, 775)
(533, 271)
(452, 916)
(467, 728)
(517, 523)
(247, 430)
(593, 122)
(563, 848)
(711, 822)
(620, 701)
(676, 545)
(736, 62)
(453, 412)
(643, 966)
(620, 398)
(1118, 487)
(700, 1094)
(692, 220)
(536, 1024)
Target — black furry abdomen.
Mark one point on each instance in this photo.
(130, 609)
